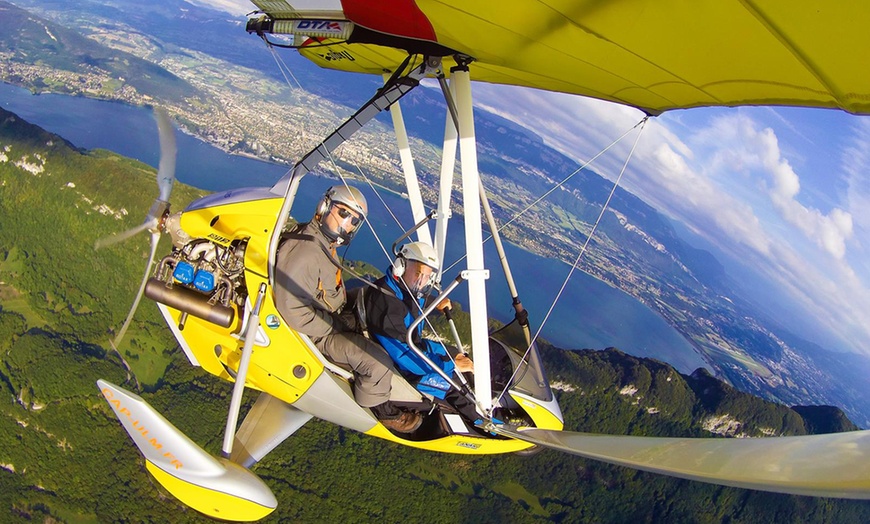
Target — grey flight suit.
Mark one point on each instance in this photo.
(309, 298)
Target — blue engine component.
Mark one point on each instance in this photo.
(183, 272)
(203, 281)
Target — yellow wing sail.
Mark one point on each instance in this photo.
(655, 55)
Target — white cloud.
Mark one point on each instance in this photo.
(804, 248)
(856, 166)
(678, 188)
(738, 146)
(233, 7)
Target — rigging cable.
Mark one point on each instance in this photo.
(285, 70)
(642, 125)
(303, 45)
(381, 198)
(555, 187)
(282, 66)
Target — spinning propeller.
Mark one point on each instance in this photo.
(159, 209)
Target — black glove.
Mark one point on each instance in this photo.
(346, 321)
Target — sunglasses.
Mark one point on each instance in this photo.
(344, 214)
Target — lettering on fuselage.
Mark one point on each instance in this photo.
(140, 428)
(469, 445)
(219, 239)
(334, 56)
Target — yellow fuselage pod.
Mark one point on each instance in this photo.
(283, 363)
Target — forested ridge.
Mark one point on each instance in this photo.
(65, 457)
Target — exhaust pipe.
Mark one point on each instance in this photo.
(190, 302)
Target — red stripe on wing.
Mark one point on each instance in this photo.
(393, 17)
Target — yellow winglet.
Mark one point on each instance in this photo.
(209, 501)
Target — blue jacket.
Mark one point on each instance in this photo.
(389, 314)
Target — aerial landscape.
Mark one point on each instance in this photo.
(722, 352)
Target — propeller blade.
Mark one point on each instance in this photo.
(831, 465)
(166, 168)
(160, 206)
(155, 237)
(120, 237)
(165, 181)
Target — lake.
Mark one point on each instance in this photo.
(590, 313)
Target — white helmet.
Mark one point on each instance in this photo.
(419, 252)
(350, 197)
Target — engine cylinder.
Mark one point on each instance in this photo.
(189, 301)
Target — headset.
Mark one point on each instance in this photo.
(323, 205)
(399, 266)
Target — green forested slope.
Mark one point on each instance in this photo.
(64, 456)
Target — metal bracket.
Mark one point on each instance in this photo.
(471, 274)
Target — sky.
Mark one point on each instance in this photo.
(782, 193)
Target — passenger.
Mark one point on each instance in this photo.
(310, 295)
(390, 313)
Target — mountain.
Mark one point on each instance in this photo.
(64, 457)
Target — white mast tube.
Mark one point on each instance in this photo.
(476, 273)
(414, 195)
(448, 164)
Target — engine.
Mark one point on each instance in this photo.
(200, 277)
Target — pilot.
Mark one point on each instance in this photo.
(310, 295)
(390, 313)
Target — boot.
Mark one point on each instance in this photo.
(408, 422)
(397, 420)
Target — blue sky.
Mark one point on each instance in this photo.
(783, 193)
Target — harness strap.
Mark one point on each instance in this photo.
(359, 306)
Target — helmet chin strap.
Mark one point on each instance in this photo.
(327, 232)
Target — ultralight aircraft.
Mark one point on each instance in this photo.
(215, 289)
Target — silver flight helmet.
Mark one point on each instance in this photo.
(348, 222)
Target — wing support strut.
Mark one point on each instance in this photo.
(476, 273)
(447, 162)
(418, 210)
(242, 373)
(448, 165)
